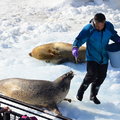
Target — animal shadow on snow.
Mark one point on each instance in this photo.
(79, 67)
(75, 113)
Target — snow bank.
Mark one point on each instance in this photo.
(115, 3)
(25, 24)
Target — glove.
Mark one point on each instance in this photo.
(75, 52)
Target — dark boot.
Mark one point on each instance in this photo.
(81, 90)
(80, 96)
(94, 92)
(95, 99)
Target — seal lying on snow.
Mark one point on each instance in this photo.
(40, 93)
(58, 52)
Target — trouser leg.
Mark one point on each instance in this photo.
(89, 78)
(102, 71)
(94, 90)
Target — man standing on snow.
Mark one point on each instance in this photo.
(96, 35)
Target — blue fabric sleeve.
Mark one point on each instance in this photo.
(82, 37)
(115, 37)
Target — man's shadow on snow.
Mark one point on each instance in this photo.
(82, 66)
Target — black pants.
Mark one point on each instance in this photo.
(96, 73)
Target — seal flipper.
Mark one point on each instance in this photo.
(54, 108)
(67, 99)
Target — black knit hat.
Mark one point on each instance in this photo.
(99, 17)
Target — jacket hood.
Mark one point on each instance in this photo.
(93, 25)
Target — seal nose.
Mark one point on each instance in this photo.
(70, 74)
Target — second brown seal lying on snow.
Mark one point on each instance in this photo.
(38, 92)
(57, 52)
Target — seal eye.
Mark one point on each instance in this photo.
(66, 75)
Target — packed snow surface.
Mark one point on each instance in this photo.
(25, 24)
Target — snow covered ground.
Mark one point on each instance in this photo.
(25, 24)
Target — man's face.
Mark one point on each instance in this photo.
(99, 25)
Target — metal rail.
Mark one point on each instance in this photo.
(44, 114)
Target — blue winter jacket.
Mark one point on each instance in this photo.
(96, 41)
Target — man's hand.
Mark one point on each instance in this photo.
(75, 52)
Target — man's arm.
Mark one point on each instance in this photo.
(82, 37)
(115, 37)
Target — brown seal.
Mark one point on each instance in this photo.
(57, 52)
(40, 93)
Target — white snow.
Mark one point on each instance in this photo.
(25, 24)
